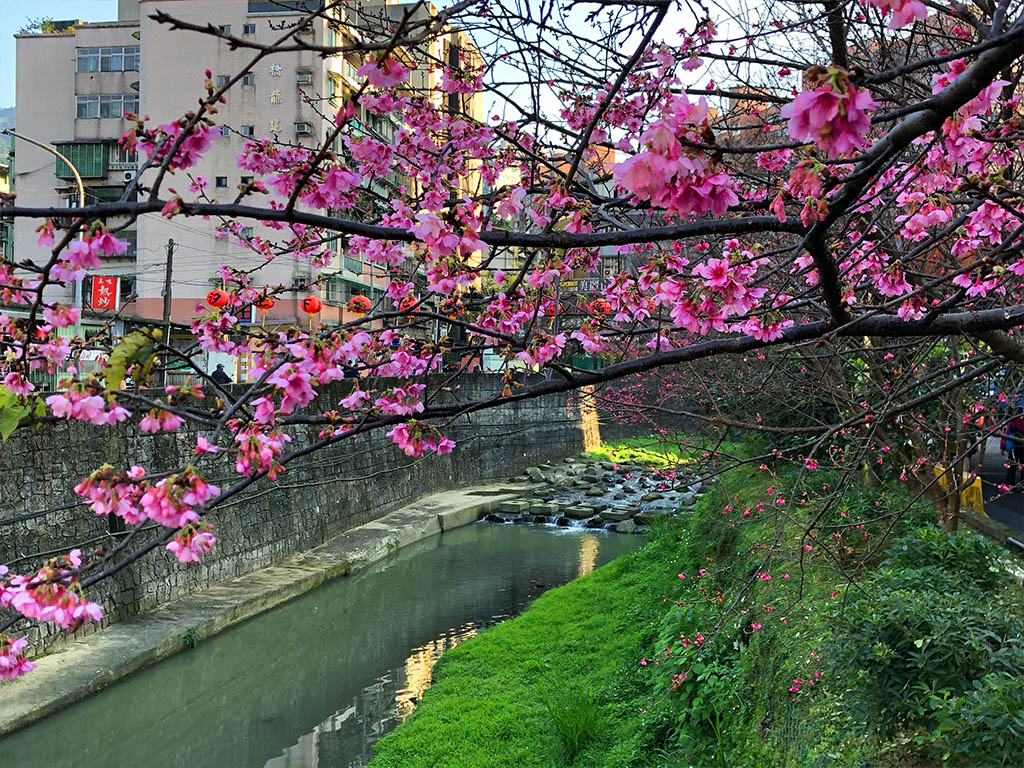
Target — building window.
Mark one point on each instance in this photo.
(245, 232)
(106, 105)
(352, 264)
(6, 239)
(248, 131)
(249, 79)
(225, 29)
(334, 87)
(222, 182)
(248, 29)
(90, 159)
(131, 237)
(121, 59)
(246, 179)
(122, 158)
(223, 80)
(225, 131)
(350, 71)
(338, 291)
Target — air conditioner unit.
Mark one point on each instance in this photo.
(129, 176)
(303, 129)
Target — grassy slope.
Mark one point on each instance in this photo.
(486, 707)
(643, 450)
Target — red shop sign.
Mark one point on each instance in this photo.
(105, 292)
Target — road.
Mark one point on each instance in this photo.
(1007, 508)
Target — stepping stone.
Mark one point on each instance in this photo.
(615, 515)
(579, 513)
(514, 507)
(626, 526)
(594, 491)
(652, 497)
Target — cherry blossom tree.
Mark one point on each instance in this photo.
(744, 189)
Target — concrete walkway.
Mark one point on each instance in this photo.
(85, 666)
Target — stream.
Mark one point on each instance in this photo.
(317, 681)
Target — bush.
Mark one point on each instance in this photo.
(964, 554)
(927, 631)
(984, 728)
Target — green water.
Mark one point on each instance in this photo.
(316, 682)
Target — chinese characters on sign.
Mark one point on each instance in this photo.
(105, 292)
(275, 96)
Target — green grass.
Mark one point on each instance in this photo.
(561, 686)
(558, 686)
(662, 452)
(647, 451)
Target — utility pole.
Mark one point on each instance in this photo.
(167, 298)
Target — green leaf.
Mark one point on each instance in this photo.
(12, 416)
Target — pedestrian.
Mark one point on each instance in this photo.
(1013, 447)
(220, 376)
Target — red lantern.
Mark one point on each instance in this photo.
(408, 303)
(311, 305)
(217, 298)
(265, 304)
(600, 307)
(359, 305)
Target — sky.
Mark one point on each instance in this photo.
(13, 14)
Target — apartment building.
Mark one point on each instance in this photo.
(75, 86)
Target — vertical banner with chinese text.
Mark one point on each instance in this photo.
(106, 293)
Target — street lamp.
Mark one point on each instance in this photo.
(81, 204)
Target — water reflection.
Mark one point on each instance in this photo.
(318, 681)
(377, 710)
(589, 545)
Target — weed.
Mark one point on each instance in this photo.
(191, 637)
(574, 713)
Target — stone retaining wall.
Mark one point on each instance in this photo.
(318, 497)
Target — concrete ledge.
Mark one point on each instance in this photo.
(86, 666)
(987, 526)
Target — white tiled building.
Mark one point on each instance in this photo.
(74, 86)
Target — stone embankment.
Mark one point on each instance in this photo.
(586, 493)
(336, 489)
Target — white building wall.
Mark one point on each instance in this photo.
(172, 82)
(45, 94)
